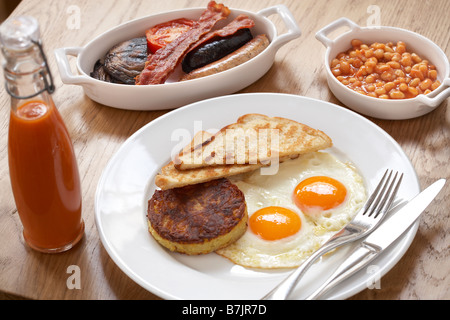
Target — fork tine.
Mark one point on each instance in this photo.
(379, 194)
(374, 193)
(388, 201)
(383, 195)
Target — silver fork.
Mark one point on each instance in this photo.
(365, 221)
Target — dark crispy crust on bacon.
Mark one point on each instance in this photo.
(161, 64)
(194, 214)
(240, 22)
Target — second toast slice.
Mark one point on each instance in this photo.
(254, 139)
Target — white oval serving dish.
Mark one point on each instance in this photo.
(173, 94)
(381, 108)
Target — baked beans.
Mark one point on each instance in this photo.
(384, 70)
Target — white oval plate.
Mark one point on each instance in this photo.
(173, 93)
(127, 184)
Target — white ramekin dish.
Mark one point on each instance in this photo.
(381, 108)
(173, 94)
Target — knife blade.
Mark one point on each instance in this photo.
(380, 239)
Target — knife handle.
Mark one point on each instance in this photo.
(357, 260)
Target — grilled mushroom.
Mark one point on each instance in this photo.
(100, 73)
(126, 60)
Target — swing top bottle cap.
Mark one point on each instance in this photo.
(18, 33)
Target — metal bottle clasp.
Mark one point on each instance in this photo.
(46, 76)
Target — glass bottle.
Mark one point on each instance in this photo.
(42, 164)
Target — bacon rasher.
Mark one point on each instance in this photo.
(161, 64)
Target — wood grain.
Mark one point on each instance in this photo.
(98, 131)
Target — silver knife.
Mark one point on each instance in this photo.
(389, 231)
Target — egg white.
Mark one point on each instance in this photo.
(276, 190)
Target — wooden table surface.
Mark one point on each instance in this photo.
(98, 131)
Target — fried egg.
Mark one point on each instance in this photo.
(292, 213)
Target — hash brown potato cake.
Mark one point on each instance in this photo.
(198, 219)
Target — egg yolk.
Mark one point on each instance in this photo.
(318, 194)
(274, 223)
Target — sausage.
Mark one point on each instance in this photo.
(215, 50)
(238, 57)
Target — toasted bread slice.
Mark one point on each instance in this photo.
(170, 177)
(254, 139)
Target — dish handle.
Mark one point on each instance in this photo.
(64, 67)
(289, 21)
(443, 94)
(321, 35)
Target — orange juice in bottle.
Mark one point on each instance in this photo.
(42, 164)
